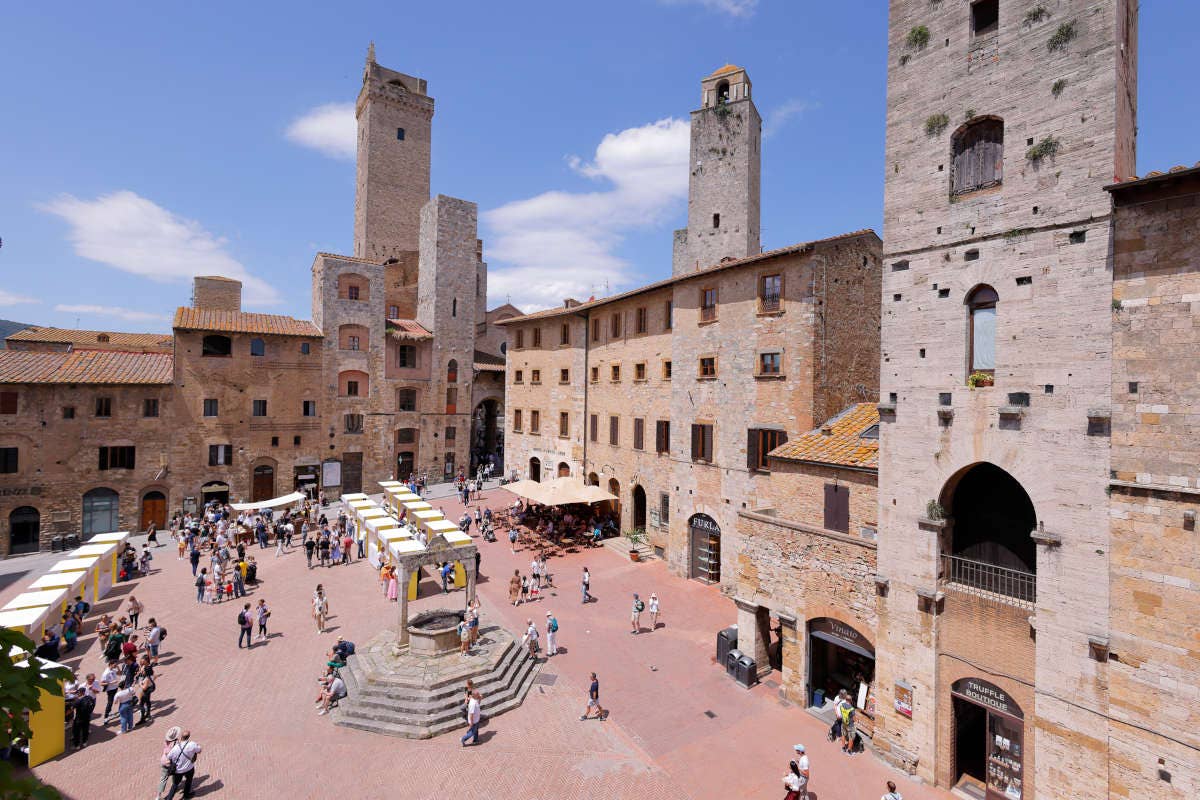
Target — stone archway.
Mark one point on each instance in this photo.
(154, 510)
(639, 507)
(535, 469)
(24, 530)
(486, 433)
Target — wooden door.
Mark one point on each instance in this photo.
(263, 485)
(154, 509)
(352, 468)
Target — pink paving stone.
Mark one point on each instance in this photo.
(252, 710)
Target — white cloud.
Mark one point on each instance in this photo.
(561, 244)
(111, 311)
(734, 8)
(330, 129)
(778, 116)
(10, 299)
(133, 234)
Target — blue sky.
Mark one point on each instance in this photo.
(139, 147)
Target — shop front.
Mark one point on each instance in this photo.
(705, 538)
(988, 741)
(305, 480)
(841, 658)
(215, 490)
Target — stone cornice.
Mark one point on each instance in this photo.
(813, 529)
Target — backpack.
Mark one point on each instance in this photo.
(162, 633)
(85, 607)
(199, 581)
(640, 606)
(242, 619)
(553, 625)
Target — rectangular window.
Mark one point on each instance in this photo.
(639, 371)
(310, 408)
(258, 347)
(983, 339)
(615, 371)
(117, 457)
(702, 442)
(274, 441)
(295, 441)
(596, 331)
(664, 508)
(8, 402)
(354, 423)
(519, 376)
(406, 356)
(400, 134)
(564, 424)
(393, 312)
(564, 376)
(594, 427)
(149, 407)
(406, 399)
(210, 407)
(517, 422)
(305, 348)
(768, 363)
(770, 292)
(708, 367)
(760, 442)
(451, 433)
(641, 320)
(352, 292)
(595, 374)
(716, 221)
(221, 455)
(837, 507)
(564, 334)
(259, 408)
(662, 436)
(351, 342)
(666, 370)
(519, 341)
(68, 412)
(614, 431)
(351, 388)
(537, 337)
(614, 326)
(8, 460)
(985, 17)
(452, 400)
(535, 376)
(535, 421)
(103, 406)
(668, 315)
(639, 434)
(708, 305)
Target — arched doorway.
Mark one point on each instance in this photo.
(593, 479)
(100, 512)
(215, 490)
(24, 530)
(535, 470)
(262, 486)
(406, 464)
(485, 433)
(614, 488)
(705, 537)
(639, 507)
(988, 545)
(564, 469)
(840, 657)
(154, 509)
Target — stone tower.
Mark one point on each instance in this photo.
(394, 126)
(1004, 122)
(724, 174)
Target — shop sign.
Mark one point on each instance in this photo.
(842, 632)
(703, 522)
(331, 473)
(987, 695)
(904, 700)
(21, 491)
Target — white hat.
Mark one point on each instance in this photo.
(548, 614)
(173, 733)
(799, 748)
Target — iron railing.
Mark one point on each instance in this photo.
(1003, 584)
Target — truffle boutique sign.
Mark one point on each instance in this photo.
(986, 694)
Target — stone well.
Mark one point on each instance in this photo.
(433, 632)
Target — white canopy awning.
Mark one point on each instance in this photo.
(287, 499)
(559, 492)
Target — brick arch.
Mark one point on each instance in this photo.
(354, 337)
(347, 280)
(819, 610)
(357, 377)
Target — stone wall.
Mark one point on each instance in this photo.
(217, 293)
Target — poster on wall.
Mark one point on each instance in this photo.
(904, 699)
(331, 473)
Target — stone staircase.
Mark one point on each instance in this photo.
(385, 697)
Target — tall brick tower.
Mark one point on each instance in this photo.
(394, 127)
(1005, 120)
(724, 174)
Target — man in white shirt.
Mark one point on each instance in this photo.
(183, 757)
(473, 717)
(802, 763)
(336, 691)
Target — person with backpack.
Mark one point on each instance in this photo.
(892, 794)
(81, 724)
(165, 768)
(845, 711)
(551, 633)
(201, 581)
(245, 626)
(635, 617)
(182, 761)
(309, 546)
(154, 638)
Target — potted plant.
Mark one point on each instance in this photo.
(977, 379)
(636, 538)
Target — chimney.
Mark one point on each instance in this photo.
(570, 302)
(826, 430)
(214, 293)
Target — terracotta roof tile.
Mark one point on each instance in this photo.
(207, 319)
(486, 362)
(843, 444)
(1154, 176)
(408, 329)
(86, 366)
(149, 342)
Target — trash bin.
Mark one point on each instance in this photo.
(72, 541)
(56, 544)
(818, 698)
(726, 641)
(731, 660)
(747, 672)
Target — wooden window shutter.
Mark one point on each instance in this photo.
(697, 441)
(837, 508)
(8, 402)
(708, 442)
(752, 449)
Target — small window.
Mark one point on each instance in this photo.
(871, 432)
(517, 420)
(211, 408)
(1078, 237)
(535, 377)
(274, 441)
(305, 348)
(759, 443)
(354, 423)
(564, 376)
(616, 373)
(406, 399)
(406, 356)
(8, 403)
(708, 305)
(537, 337)
(668, 315)
(258, 347)
(614, 430)
(564, 334)
(352, 292)
(716, 220)
(149, 407)
(641, 320)
(258, 408)
(594, 427)
(564, 424)
(68, 412)
(595, 374)
(978, 156)
(770, 292)
(8, 460)
(708, 367)
(409, 435)
(981, 304)
(768, 363)
(595, 330)
(102, 338)
(614, 326)
(664, 508)
(702, 442)
(662, 436)
(837, 507)
(452, 400)
(295, 441)
(451, 433)
(220, 455)
(216, 346)
(985, 17)
(103, 406)
(519, 342)
(310, 408)
(639, 371)
(519, 376)
(117, 458)
(503, 348)
(400, 134)
(393, 312)
(639, 433)
(535, 421)
(452, 371)
(352, 342)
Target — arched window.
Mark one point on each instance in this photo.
(215, 345)
(353, 383)
(24, 526)
(353, 337)
(452, 371)
(978, 155)
(981, 333)
(100, 512)
(722, 92)
(258, 347)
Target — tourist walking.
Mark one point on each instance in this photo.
(245, 626)
(514, 588)
(262, 614)
(635, 615)
(135, 608)
(534, 574)
(125, 699)
(446, 570)
(586, 584)
(803, 771)
(393, 583)
(320, 604)
(593, 701)
(530, 639)
(792, 782)
(654, 611)
(194, 557)
(182, 757)
(892, 794)
(512, 539)
(845, 711)
(464, 635)
(239, 585)
(310, 545)
(551, 634)
(110, 682)
(165, 770)
(474, 714)
(201, 583)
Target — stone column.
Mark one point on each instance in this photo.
(469, 568)
(402, 574)
(754, 633)
(795, 666)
